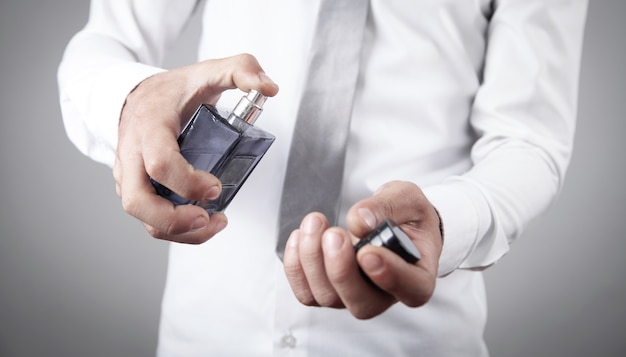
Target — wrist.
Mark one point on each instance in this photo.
(441, 230)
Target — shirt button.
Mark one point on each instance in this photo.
(288, 341)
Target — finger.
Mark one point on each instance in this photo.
(166, 220)
(312, 260)
(217, 222)
(165, 164)
(403, 202)
(241, 71)
(411, 284)
(359, 296)
(294, 272)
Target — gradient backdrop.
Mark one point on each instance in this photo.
(80, 278)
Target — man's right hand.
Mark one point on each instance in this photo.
(150, 122)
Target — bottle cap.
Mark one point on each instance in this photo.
(389, 235)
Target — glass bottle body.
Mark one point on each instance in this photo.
(224, 145)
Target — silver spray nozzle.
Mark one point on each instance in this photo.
(250, 106)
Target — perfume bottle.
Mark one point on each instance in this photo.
(226, 144)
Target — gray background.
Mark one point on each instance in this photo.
(80, 278)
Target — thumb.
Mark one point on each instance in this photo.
(402, 202)
(212, 77)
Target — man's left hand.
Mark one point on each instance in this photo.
(323, 269)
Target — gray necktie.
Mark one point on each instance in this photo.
(317, 154)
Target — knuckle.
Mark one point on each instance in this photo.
(363, 311)
(155, 233)
(246, 58)
(156, 168)
(291, 268)
(164, 230)
(386, 207)
(418, 299)
(362, 314)
(169, 227)
(310, 255)
(340, 276)
(130, 204)
(196, 240)
(328, 298)
(306, 298)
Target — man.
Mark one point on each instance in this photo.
(466, 106)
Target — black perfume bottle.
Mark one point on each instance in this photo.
(226, 144)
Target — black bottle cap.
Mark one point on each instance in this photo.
(391, 236)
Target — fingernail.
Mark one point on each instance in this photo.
(311, 224)
(198, 224)
(213, 193)
(331, 242)
(372, 263)
(368, 217)
(292, 242)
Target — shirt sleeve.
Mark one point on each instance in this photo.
(122, 43)
(524, 117)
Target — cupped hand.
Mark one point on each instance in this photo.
(323, 269)
(150, 122)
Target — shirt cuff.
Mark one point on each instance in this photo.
(472, 237)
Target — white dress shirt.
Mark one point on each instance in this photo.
(473, 100)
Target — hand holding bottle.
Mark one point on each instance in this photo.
(323, 270)
(150, 122)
